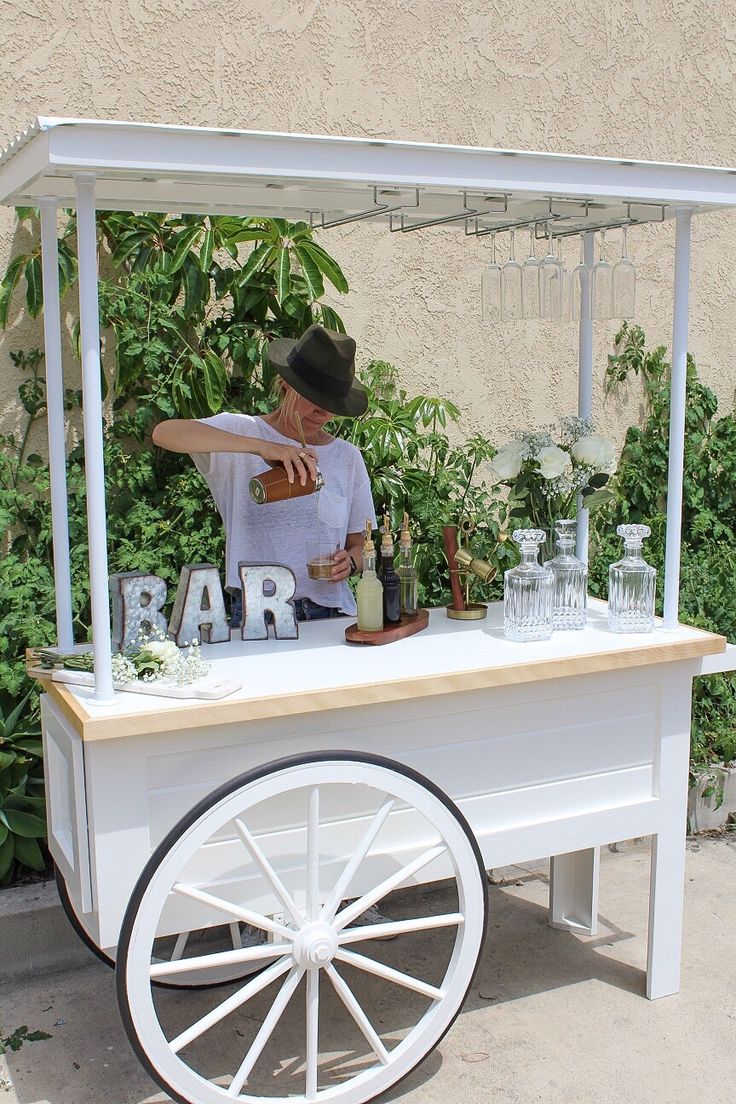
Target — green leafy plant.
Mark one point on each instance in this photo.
(186, 312)
(21, 1035)
(22, 810)
(708, 567)
(414, 467)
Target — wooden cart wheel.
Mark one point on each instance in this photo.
(337, 1015)
(173, 952)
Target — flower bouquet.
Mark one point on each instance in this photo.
(547, 469)
(151, 658)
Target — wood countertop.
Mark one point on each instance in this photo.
(320, 672)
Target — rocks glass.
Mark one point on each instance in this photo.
(631, 585)
(527, 591)
(569, 594)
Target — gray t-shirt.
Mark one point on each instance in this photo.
(285, 532)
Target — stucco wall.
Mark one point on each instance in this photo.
(633, 79)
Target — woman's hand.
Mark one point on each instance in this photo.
(299, 463)
(341, 566)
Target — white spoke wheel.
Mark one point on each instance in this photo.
(174, 947)
(301, 848)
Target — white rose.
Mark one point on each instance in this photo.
(161, 649)
(506, 464)
(595, 452)
(553, 462)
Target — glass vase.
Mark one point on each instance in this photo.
(631, 585)
(569, 594)
(527, 591)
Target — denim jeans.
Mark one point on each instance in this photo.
(306, 610)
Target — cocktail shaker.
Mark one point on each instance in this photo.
(273, 486)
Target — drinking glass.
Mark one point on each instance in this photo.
(320, 554)
(551, 284)
(490, 287)
(565, 287)
(530, 282)
(511, 296)
(624, 284)
(602, 306)
(579, 284)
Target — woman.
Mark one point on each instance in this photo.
(317, 382)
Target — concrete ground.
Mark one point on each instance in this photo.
(551, 1017)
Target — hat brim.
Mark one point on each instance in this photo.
(351, 405)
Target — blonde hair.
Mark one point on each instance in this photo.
(284, 398)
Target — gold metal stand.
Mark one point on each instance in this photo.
(469, 566)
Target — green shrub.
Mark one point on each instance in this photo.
(22, 806)
(708, 554)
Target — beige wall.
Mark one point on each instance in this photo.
(636, 79)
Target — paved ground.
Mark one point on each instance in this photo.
(551, 1017)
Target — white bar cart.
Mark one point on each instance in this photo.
(332, 778)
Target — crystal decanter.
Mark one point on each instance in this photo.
(631, 585)
(527, 591)
(569, 595)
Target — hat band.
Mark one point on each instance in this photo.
(316, 378)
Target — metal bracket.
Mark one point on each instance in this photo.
(376, 209)
(615, 224)
(482, 231)
(466, 213)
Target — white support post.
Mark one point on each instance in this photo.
(94, 465)
(585, 374)
(677, 419)
(55, 423)
(573, 891)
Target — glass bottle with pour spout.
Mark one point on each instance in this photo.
(389, 579)
(407, 572)
(369, 592)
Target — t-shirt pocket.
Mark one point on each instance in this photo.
(332, 508)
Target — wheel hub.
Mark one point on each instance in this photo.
(315, 946)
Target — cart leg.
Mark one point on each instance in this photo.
(573, 891)
(667, 882)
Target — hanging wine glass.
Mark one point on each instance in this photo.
(580, 284)
(551, 284)
(511, 297)
(624, 284)
(530, 282)
(490, 287)
(565, 304)
(602, 284)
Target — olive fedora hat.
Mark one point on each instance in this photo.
(321, 367)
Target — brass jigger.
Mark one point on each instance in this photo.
(469, 565)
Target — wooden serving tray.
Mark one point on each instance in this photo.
(407, 626)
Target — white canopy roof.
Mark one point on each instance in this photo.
(180, 169)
